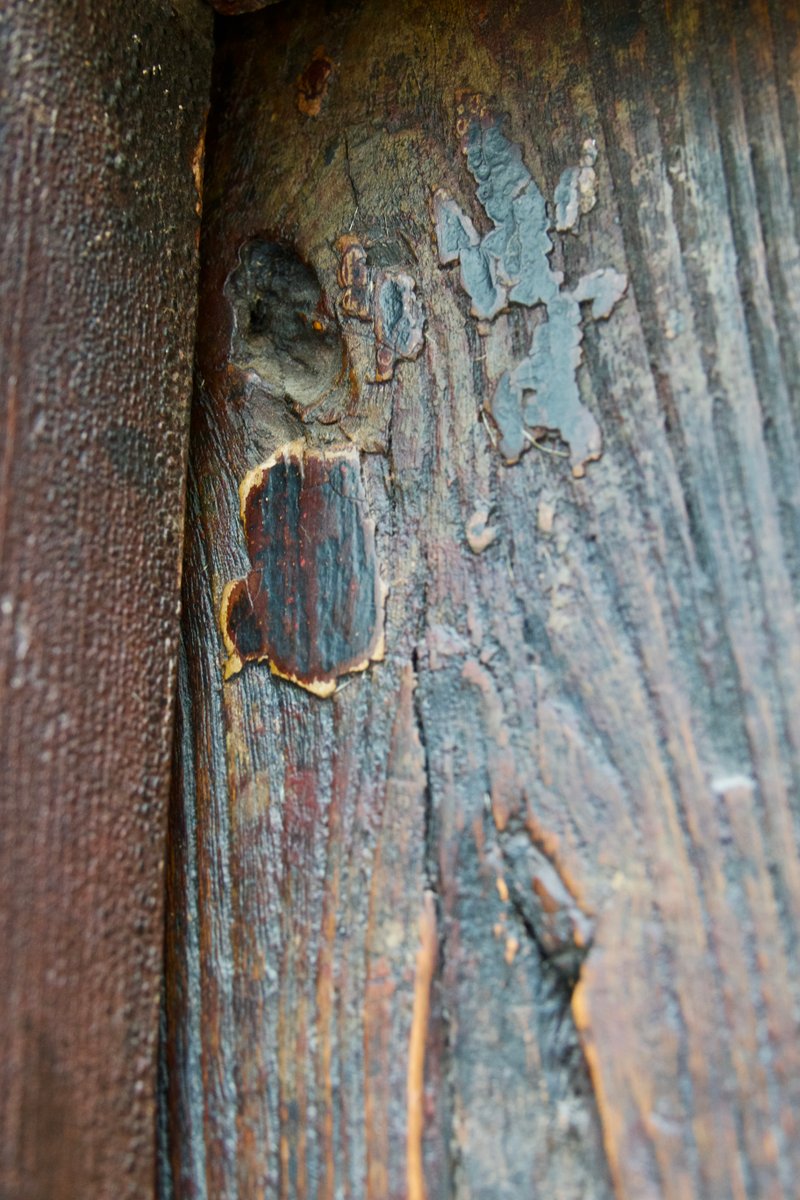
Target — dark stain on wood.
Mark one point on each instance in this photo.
(313, 604)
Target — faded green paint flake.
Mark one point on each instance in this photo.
(511, 265)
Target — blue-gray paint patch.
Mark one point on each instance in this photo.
(511, 265)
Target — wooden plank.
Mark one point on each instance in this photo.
(515, 911)
(102, 111)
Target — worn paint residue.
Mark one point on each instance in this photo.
(312, 606)
(576, 192)
(385, 297)
(511, 265)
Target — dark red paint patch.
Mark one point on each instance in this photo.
(312, 606)
(313, 83)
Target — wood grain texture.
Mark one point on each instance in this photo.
(514, 913)
(102, 108)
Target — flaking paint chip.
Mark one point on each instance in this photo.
(387, 298)
(312, 605)
(480, 534)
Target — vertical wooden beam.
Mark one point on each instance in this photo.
(103, 107)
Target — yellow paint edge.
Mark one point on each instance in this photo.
(427, 956)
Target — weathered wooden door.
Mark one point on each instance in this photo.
(511, 912)
(482, 872)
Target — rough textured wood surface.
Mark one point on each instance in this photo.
(102, 108)
(515, 912)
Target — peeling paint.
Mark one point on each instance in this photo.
(576, 191)
(511, 265)
(312, 606)
(603, 289)
(480, 534)
(385, 297)
(545, 516)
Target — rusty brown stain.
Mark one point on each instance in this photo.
(312, 85)
(427, 956)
